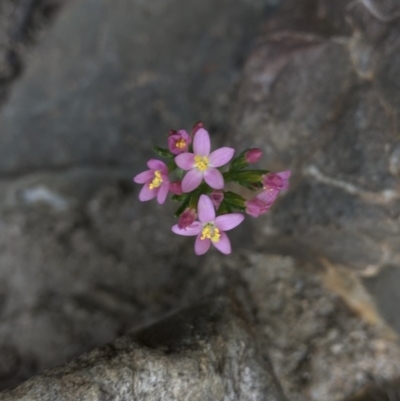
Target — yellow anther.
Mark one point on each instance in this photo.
(157, 180)
(201, 162)
(211, 232)
(180, 144)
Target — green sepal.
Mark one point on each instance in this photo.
(247, 176)
(163, 152)
(200, 190)
(179, 173)
(238, 163)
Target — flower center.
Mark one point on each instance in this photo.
(180, 144)
(211, 232)
(201, 162)
(157, 180)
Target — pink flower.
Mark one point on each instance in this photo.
(187, 218)
(261, 203)
(210, 229)
(217, 197)
(176, 188)
(253, 155)
(278, 181)
(155, 180)
(201, 164)
(178, 142)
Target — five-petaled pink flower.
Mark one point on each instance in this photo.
(178, 142)
(261, 203)
(203, 164)
(277, 181)
(155, 180)
(210, 229)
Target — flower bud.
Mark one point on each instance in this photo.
(187, 218)
(196, 127)
(176, 187)
(261, 203)
(217, 196)
(178, 142)
(253, 155)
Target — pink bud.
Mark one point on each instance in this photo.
(187, 218)
(176, 188)
(217, 197)
(171, 132)
(261, 203)
(253, 155)
(196, 127)
(178, 142)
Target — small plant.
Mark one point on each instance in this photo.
(207, 209)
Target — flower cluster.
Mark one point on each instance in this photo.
(207, 209)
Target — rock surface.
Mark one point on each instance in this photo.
(111, 78)
(205, 353)
(320, 95)
(82, 261)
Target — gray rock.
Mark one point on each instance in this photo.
(111, 77)
(208, 352)
(320, 96)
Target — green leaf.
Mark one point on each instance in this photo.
(179, 198)
(171, 166)
(163, 152)
(184, 205)
(234, 199)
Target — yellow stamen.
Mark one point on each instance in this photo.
(211, 232)
(201, 162)
(157, 180)
(180, 144)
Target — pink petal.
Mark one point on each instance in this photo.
(284, 174)
(201, 246)
(228, 221)
(221, 156)
(185, 136)
(191, 180)
(146, 193)
(156, 165)
(163, 192)
(189, 231)
(185, 161)
(143, 177)
(224, 244)
(201, 143)
(205, 209)
(285, 177)
(268, 196)
(214, 178)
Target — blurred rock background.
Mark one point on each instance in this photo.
(88, 86)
